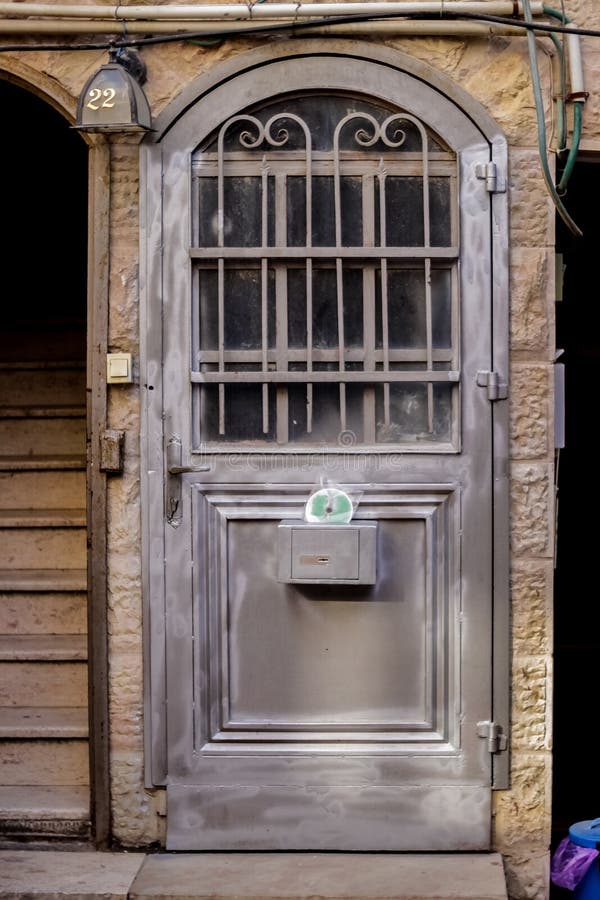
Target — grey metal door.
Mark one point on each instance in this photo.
(324, 305)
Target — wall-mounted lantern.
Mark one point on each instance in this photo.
(112, 99)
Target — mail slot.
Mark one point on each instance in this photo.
(327, 554)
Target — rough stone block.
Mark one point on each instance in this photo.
(532, 213)
(530, 412)
(529, 710)
(531, 292)
(531, 591)
(531, 509)
(523, 813)
(136, 818)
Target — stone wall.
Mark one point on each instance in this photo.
(496, 72)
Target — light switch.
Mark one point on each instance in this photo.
(118, 368)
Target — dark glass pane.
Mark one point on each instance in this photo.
(323, 217)
(353, 308)
(242, 219)
(325, 325)
(351, 202)
(409, 415)
(297, 308)
(323, 224)
(207, 212)
(407, 322)
(242, 309)
(440, 207)
(404, 211)
(208, 321)
(441, 308)
(243, 413)
(326, 422)
(296, 211)
(406, 309)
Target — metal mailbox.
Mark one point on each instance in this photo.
(327, 554)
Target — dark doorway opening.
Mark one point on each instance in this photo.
(576, 788)
(44, 789)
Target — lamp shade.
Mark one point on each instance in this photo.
(112, 100)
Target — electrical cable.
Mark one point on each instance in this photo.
(539, 109)
(577, 119)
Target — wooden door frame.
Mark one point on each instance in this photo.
(51, 92)
(97, 342)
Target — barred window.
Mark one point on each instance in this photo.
(325, 253)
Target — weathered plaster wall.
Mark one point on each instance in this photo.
(495, 72)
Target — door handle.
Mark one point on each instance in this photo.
(173, 508)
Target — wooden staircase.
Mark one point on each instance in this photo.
(44, 764)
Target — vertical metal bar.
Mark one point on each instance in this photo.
(339, 275)
(385, 332)
(309, 282)
(221, 277)
(428, 312)
(221, 340)
(264, 287)
(281, 310)
(368, 211)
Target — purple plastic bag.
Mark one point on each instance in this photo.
(569, 863)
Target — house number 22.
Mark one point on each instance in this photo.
(96, 96)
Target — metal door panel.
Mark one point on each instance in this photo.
(310, 716)
(355, 817)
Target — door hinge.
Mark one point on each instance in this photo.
(495, 182)
(496, 388)
(493, 734)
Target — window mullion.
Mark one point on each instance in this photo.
(368, 216)
(281, 306)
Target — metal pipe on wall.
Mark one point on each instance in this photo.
(244, 11)
(399, 27)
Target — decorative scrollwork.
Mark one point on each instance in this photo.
(256, 134)
(385, 131)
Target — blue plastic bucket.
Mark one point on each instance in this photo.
(587, 834)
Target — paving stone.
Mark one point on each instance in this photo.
(56, 874)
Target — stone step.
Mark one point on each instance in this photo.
(43, 722)
(68, 411)
(42, 490)
(40, 462)
(48, 684)
(42, 647)
(68, 517)
(58, 802)
(47, 518)
(44, 763)
(43, 613)
(50, 437)
(292, 876)
(43, 548)
(42, 812)
(43, 580)
(29, 384)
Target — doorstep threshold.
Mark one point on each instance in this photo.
(50, 875)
